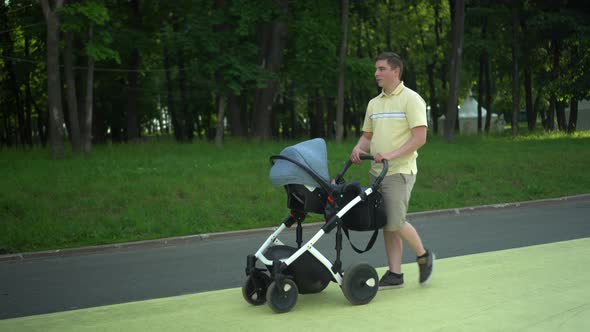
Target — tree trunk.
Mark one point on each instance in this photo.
(78, 44)
(28, 99)
(537, 106)
(433, 101)
(550, 119)
(528, 86)
(573, 120)
(553, 108)
(177, 123)
(515, 86)
(293, 125)
(409, 74)
(330, 117)
(457, 124)
(72, 100)
(29, 111)
(14, 88)
(316, 116)
(42, 124)
(488, 92)
(431, 68)
(188, 124)
(89, 101)
(528, 92)
(560, 112)
(132, 97)
(272, 59)
(239, 126)
(342, 70)
(133, 116)
(480, 92)
(56, 118)
(482, 82)
(458, 26)
(4, 138)
(388, 21)
(220, 121)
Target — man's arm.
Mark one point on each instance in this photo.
(362, 147)
(414, 143)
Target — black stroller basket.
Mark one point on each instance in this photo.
(369, 214)
(288, 271)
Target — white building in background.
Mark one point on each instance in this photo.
(468, 118)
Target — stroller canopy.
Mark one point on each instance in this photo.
(312, 154)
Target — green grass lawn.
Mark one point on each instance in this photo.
(161, 189)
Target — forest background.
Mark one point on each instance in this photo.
(119, 71)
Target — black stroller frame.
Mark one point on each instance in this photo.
(304, 269)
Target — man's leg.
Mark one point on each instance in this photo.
(425, 259)
(397, 190)
(409, 234)
(396, 195)
(393, 249)
(394, 245)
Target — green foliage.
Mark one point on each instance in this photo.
(357, 69)
(312, 51)
(97, 49)
(79, 17)
(216, 48)
(78, 14)
(250, 13)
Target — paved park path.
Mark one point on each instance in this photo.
(469, 244)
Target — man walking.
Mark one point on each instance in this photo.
(394, 129)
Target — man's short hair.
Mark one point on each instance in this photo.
(394, 60)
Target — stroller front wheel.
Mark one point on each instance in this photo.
(360, 283)
(282, 296)
(255, 287)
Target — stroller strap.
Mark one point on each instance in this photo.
(369, 245)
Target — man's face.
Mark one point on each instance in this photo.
(385, 75)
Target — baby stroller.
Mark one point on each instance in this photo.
(288, 271)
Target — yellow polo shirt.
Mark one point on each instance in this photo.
(390, 118)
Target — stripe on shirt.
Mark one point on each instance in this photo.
(393, 115)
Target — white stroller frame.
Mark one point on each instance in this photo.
(359, 284)
(273, 239)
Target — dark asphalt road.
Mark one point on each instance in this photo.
(44, 285)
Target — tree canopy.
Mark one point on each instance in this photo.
(202, 69)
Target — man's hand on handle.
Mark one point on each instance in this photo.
(380, 157)
(355, 157)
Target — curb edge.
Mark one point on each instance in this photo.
(207, 236)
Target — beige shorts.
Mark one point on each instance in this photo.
(396, 190)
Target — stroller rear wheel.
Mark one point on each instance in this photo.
(360, 283)
(255, 287)
(282, 296)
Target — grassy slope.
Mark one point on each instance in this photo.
(161, 189)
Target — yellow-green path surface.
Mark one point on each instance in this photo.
(538, 288)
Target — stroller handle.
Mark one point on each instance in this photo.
(339, 178)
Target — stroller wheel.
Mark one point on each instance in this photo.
(281, 297)
(254, 288)
(360, 283)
